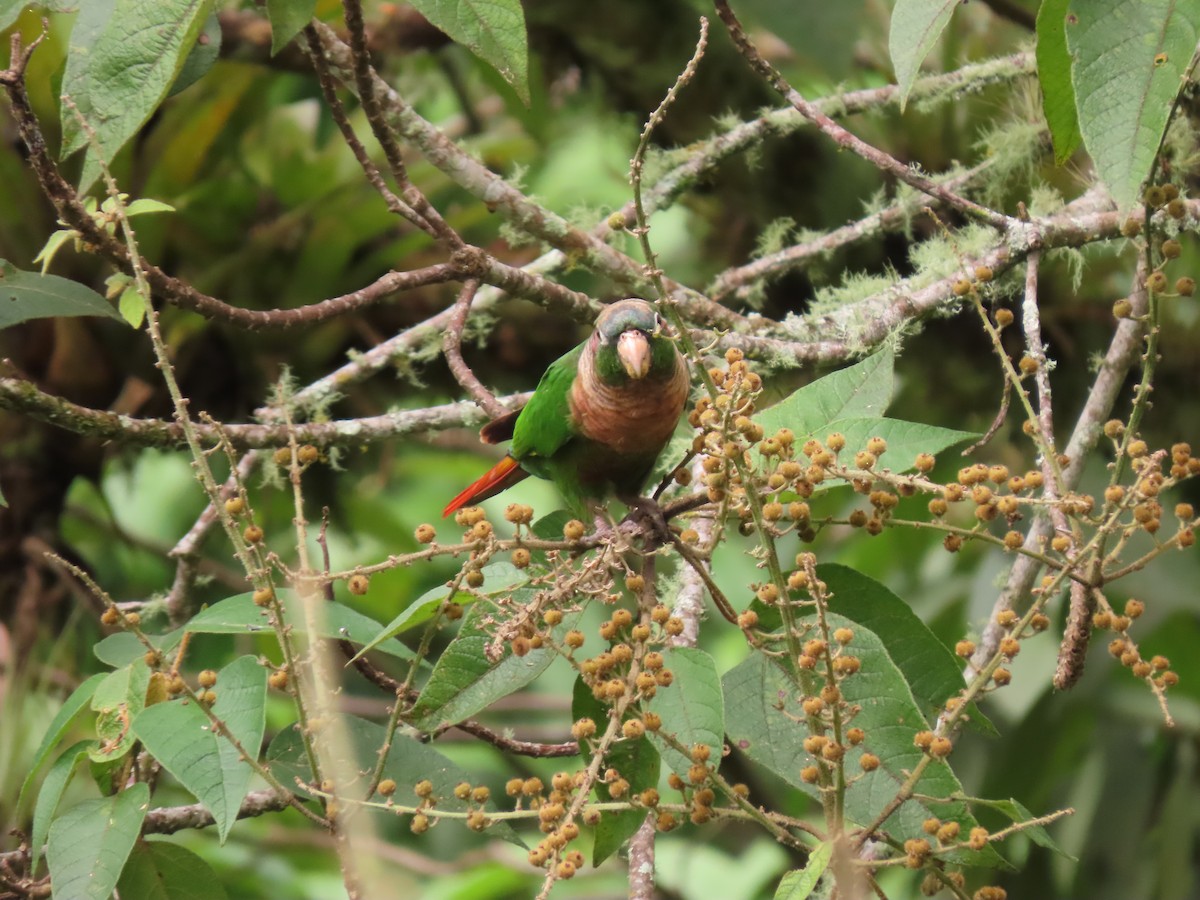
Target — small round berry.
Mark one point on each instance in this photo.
(521, 558)
(235, 505)
(573, 530)
(278, 680)
(1185, 286)
(964, 648)
(252, 534)
(207, 678)
(110, 616)
(1171, 249)
(419, 824)
(358, 584)
(868, 762)
(1003, 318)
(474, 578)
(1157, 282)
(308, 454)
(425, 533)
(386, 787)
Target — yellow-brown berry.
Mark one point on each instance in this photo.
(573, 530)
(358, 584)
(252, 534)
(235, 505)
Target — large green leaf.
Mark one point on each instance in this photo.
(1054, 73)
(464, 680)
(240, 615)
(860, 391)
(179, 735)
(90, 842)
(904, 439)
(28, 295)
(498, 577)
(637, 762)
(1129, 61)
(916, 27)
(123, 57)
(58, 727)
(764, 722)
(160, 870)
(494, 30)
(692, 708)
(927, 664)
(53, 786)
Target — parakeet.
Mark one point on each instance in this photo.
(599, 417)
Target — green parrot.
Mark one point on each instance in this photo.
(599, 417)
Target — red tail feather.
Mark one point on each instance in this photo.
(499, 477)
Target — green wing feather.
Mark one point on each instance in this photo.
(545, 423)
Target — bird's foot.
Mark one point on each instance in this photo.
(649, 517)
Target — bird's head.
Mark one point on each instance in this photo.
(631, 342)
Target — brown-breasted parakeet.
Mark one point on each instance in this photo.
(599, 417)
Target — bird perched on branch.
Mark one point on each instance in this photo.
(599, 417)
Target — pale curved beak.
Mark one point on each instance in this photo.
(633, 349)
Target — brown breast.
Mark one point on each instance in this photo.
(637, 418)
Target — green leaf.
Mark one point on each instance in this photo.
(799, 884)
(287, 18)
(916, 27)
(1017, 812)
(53, 786)
(179, 735)
(464, 680)
(123, 647)
(132, 307)
(931, 670)
(1054, 73)
(28, 295)
(408, 762)
(122, 59)
(765, 721)
(494, 30)
(692, 708)
(240, 615)
(200, 59)
(860, 391)
(90, 842)
(58, 727)
(160, 870)
(498, 577)
(53, 244)
(1129, 60)
(637, 761)
(118, 699)
(144, 205)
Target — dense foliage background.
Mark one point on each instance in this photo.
(986, 142)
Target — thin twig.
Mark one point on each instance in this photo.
(843, 138)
